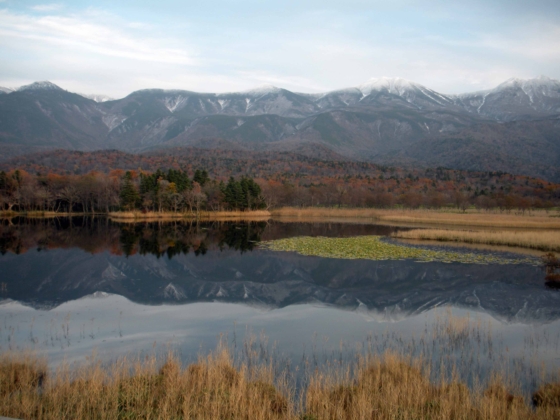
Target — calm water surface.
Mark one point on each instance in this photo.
(73, 287)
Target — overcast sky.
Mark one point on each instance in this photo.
(116, 47)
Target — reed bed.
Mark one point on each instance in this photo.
(395, 387)
(388, 386)
(210, 389)
(535, 220)
(34, 214)
(128, 216)
(375, 381)
(8, 213)
(540, 240)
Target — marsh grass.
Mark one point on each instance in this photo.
(388, 386)
(423, 380)
(212, 388)
(33, 214)
(135, 216)
(395, 387)
(534, 220)
(540, 240)
(374, 248)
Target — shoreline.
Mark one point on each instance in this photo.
(538, 219)
(204, 216)
(539, 230)
(546, 241)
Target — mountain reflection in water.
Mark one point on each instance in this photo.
(155, 263)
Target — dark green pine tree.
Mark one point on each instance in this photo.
(3, 181)
(201, 176)
(180, 179)
(129, 196)
(233, 195)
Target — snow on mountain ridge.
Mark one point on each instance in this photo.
(263, 90)
(543, 83)
(44, 85)
(393, 85)
(96, 97)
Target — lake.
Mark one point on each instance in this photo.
(75, 287)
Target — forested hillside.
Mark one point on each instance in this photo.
(191, 180)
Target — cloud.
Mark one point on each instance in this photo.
(310, 46)
(46, 7)
(87, 34)
(139, 25)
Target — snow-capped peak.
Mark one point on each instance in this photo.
(263, 90)
(537, 82)
(45, 85)
(5, 90)
(539, 87)
(394, 85)
(97, 98)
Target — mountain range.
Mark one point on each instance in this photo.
(514, 127)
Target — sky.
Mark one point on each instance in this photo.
(117, 47)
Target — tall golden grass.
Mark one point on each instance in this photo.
(205, 215)
(535, 239)
(393, 387)
(33, 214)
(382, 387)
(209, 389)
(535, 220)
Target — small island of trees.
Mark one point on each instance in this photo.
(160, 191)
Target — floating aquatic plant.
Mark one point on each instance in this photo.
(373, 248)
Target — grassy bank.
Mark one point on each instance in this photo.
(38, 214)
(134, 216)
(381, 387)
(421, 217)
(535, 220)
(536, 239)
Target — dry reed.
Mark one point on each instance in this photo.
(381, 387)
(204, 215)
(393, 387)
(541, 240)
(536, 220)
(209, 389)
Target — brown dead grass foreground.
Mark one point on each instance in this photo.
(209, 389)
(387, 387)
(535, 220)
(535, 239)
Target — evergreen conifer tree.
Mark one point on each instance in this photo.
(128, 196)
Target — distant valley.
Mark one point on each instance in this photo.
(514, 127)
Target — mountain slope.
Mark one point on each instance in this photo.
(44, 115)
(527, 147)
(383, 120)
(515, 99)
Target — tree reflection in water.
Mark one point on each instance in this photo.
(156, 238)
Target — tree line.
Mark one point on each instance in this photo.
(176, 190)
(161, 191)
